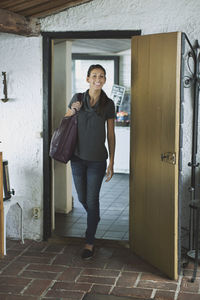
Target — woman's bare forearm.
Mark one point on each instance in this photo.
(111, 140)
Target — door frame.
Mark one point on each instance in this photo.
(47, 98)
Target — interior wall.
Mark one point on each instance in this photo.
(125, 69)
(150, 16)
(21, 127)
(61, 96)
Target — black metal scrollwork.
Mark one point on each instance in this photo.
(189, 79)
(192, 80)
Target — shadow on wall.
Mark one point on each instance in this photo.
(31, 178)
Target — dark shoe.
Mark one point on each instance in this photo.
(87, 254)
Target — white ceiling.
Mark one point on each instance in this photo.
(99, 45)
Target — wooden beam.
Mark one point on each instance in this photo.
(52, 7)
(6, 4)
(13, 23)
(1, 209)
(17, 5)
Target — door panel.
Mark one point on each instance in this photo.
(61, 96)
(155, 131)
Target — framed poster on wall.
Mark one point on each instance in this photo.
(117, 94)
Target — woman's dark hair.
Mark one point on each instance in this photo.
(92, 67)
(103, 98)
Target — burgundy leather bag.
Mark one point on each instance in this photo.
(64, 139)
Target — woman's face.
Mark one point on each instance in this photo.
(96, 79)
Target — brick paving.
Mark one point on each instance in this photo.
(54, 270)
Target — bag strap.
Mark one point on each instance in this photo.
(80, 97)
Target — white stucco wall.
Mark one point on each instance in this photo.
(150, 16)
(20, 126)
(21, 57)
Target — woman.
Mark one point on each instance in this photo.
(89, 162)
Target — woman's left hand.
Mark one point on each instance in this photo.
(109, 172)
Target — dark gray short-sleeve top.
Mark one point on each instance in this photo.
(91, 127)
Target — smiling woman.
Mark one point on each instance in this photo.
(89, 161)
(80, 65)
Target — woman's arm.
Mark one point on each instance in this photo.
(111, 147)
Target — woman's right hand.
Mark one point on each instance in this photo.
(76, 106)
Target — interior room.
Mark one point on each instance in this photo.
(115, 56)
(36, 87)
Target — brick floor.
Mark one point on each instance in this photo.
(54, 270)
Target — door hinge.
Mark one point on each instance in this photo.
(169, 157)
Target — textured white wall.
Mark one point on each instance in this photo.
(125, 69)
(151, 16)
(21, 124)
(21, 58)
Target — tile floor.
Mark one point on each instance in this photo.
(54, 270)
(114, 206)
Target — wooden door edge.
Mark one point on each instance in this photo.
(177, 146)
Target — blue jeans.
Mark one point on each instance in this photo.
(88, 177)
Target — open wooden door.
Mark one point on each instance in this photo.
(156, 62)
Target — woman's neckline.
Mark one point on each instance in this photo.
(92, 104)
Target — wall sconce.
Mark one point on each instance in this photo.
(5, 99)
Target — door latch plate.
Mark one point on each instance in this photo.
(169, 157)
